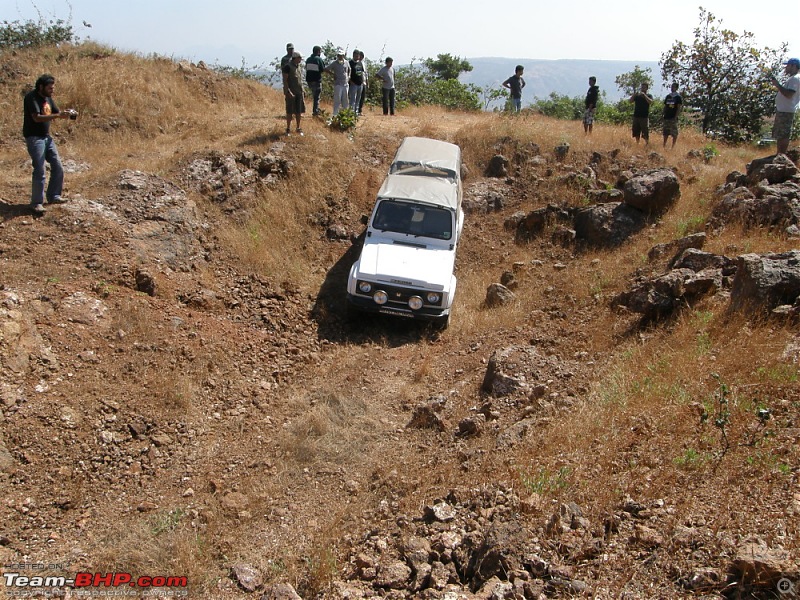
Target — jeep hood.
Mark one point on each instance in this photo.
(431, 268)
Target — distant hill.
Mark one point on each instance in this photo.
(565, 76)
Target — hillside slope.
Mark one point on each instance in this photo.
(181, 394)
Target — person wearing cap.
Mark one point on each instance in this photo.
(285, 60)
(786, 102)
(315, 66)
(340, 69)
(293, 92)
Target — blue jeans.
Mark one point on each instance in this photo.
(43, 149)
(355, 92)
(516, 103)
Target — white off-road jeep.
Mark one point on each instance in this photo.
(406, 266)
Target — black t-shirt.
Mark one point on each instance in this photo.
(35, 104)
(671, 105)
(293, 80)
(591, 96)
(641, 107)
(356, 72)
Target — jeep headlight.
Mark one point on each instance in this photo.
(433, 298)
(380, 297)
(365, 287)
(415, 302)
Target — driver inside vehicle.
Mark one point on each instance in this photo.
(393, 217)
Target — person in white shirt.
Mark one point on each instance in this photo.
(786, 102)
(340, 69)
(386, 75)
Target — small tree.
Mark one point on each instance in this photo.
(446, 66)
(629, 83)
(490, 94)
(724, 75)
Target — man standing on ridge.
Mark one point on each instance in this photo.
(515, 83)
(591, 105)
(287, 58)
(356, 81)
(672, 108)
(340, 69)
(293, 92)
(641, 113)
(39, 110)
(386, 75)
(786, 102)
(363, 85)
(315, 66)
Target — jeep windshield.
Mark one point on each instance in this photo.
(413, 219)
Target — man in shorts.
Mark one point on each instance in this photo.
(786, 103)
(641, 113)
(293, 92)
(591, 105)
(672, 108)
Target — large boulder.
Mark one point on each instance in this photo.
(652, 192)
(698, 260)
(655, 298)
(674, 248)
(773, 206)
(775, 169)
(764, 282)
(608, 225)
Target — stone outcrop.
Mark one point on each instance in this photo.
(652, 192)
(766, 282)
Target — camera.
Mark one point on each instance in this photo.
(73, 115)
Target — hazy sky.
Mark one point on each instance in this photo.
(226, 31)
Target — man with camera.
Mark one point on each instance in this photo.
(641, 113)
(40, 110)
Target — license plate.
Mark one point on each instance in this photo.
(396, 313)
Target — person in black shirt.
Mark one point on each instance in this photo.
(591, 105)
(515, 83)
(356, 82)
(641, 113)
(672, 108)
(39, 110)
(293, 92)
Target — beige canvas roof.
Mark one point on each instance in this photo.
(420, 188)
(417, 155)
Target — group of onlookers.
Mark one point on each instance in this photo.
(349, 83)
(786, 104)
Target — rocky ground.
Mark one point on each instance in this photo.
(167, 411)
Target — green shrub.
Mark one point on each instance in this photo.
(344, 121)
(35, 34)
